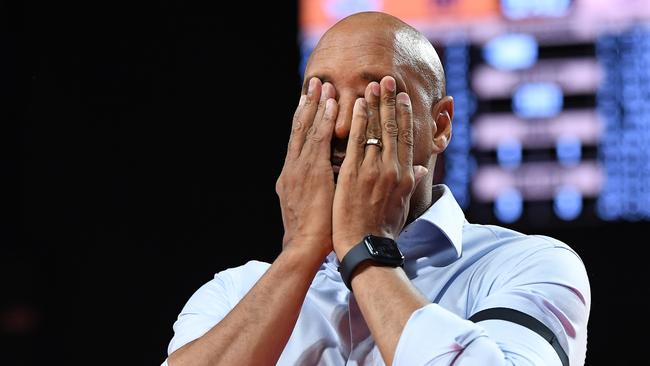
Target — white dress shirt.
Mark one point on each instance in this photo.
(461, 268)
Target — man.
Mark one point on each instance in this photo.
(370, 123)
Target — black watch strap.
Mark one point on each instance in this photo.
(362, 252)
(358, 254)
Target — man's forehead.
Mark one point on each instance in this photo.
(345, 37)
(365, 59)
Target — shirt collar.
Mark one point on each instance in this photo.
(440, 225)
(436, 236)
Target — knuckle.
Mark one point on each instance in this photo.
(309, 100)
(371, 174)
(316, 138)
(405, 108)
(280, 184)
(347, 174)
(390, 126)
(405, 111)
(373, 104)
(391, 175)
(359, 140)
(321, 105)
(406, 137)
(408, 181)
(374, 130)
(389, 100)
(298, 126)
(329, 115)
(314, 135)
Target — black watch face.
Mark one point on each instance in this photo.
(384, 248)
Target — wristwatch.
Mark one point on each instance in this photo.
(379, 250)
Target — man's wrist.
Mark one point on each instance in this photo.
(305, 256)
(342, 245)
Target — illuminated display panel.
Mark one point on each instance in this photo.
(552, 103)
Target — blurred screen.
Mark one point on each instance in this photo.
(552, 103)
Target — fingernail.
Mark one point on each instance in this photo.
(403, 98)
(375, 89)
(325, 92)
(390, 84)
(329, 104)
(312, 85)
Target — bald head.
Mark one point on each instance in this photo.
(410, 49)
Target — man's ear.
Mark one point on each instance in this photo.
(442, 113)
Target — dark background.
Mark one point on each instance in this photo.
(140, 148)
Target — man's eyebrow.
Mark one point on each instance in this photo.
(371, 76)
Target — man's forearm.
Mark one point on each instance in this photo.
(256, 331)
(388, 307)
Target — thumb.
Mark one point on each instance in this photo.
(419, 172)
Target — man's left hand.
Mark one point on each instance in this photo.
(375, 183)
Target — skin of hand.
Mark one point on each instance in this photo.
(375, 183)
(306, 184)
(256, 330)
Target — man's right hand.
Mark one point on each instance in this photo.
(306, 184)
(257, 329)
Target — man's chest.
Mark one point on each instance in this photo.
(332, 331)
(331, 334)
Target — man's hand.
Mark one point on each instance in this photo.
(375, 183)
(306, 184)
(257, 329)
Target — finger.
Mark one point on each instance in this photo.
(419, 172)
(314, 135)
(357, 138)
(303, 118)
(388, 124)
(405, 127)
(322, 137)
(373, 128)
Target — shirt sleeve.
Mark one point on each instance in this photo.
(213, 301)
(207, 306)
(549, 284)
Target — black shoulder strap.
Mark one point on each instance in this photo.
(524, 320)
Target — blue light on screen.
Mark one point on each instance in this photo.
(623, 104)
(568, 150)
(520, 9)
(509, 154)
(511, 51)
(537, 100)
(458, 159)
(509, 206)
(567, 203)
